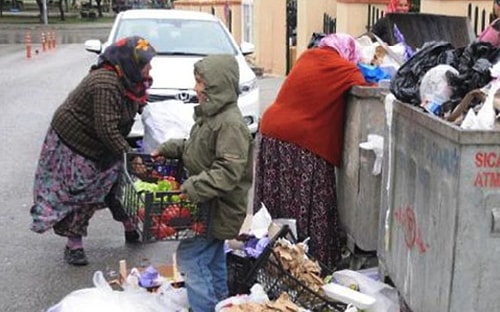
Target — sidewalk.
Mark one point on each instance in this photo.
(65, 33)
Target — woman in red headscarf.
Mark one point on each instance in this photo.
(382, 27)
(300, 142)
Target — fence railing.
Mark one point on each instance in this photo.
(374, 14)
(329, 24)
(480, 18)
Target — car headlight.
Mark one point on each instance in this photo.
(248, 86)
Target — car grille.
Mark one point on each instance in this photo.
(193, 99)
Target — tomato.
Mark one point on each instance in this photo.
(184, 213)
(172, 211)
(162, 231)
(198, 228)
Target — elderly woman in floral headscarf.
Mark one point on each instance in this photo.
(81, 157)
(300, 143)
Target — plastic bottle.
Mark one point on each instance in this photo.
(435, 106)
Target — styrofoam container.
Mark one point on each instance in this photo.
(349, 296)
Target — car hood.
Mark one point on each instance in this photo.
(172, 72)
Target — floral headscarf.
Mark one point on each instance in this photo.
(345, 44)
(127, 57)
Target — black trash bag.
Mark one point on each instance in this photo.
(473, 68)
(315, 39)
(405, 85)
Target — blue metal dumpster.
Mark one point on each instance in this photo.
(439, 239)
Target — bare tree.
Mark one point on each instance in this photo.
(40, 9)
(60, 5)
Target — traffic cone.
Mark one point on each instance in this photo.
(27, 41)
(44, 42)
(53, 40)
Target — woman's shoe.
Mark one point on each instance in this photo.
(132, 236)
(75, 256)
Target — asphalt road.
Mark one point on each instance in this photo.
(33, 273)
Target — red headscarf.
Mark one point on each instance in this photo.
(394, 7)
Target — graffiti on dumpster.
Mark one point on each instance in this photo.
(444, 157)
(406, 218)
(487, 176)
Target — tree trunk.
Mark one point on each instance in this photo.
(40, 9)
(99, 8)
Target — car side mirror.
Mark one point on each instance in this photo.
(247, 48)
(93, 45)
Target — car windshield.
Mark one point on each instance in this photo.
(179, 36)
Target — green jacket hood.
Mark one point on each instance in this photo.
(221, 75)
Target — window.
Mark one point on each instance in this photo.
(247, 20)
(179, 36)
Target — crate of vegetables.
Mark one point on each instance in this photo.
(152, 198)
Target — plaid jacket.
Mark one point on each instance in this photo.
(95, 119)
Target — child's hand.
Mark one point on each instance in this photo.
(183, 196)
(157, 156)
(139, 169)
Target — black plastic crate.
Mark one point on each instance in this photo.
(242, 270)
(276, 280)
(160, 213)
(238, 267)
(268, 271)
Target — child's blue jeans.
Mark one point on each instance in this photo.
(202, 260)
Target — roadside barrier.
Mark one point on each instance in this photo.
(54, 40)
(44, 42)
(47, 40)
(27, 40)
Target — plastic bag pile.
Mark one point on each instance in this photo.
(440, 77)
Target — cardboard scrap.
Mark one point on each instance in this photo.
(294, 260)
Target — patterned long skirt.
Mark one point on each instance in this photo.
(294, 183)
(68, 189)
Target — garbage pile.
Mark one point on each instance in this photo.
(439, 77)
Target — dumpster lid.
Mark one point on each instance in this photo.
(419, 28)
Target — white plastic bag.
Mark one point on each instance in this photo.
(257, 295)
(165, 120)
(376, 144)
(434, 88)
(386, 296)
(102, 298)
(485, 118)
(260, 222)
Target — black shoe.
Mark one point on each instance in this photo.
(75, 256)
(132, 236)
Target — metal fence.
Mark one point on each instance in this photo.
(374, 14)
(329, 24)
(480, 18)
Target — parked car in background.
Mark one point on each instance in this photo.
(181, 38)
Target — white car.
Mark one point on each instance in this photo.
(181, 38)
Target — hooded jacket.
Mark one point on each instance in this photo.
(219, 152)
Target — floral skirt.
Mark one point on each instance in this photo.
(68, 189)
(294, 183)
